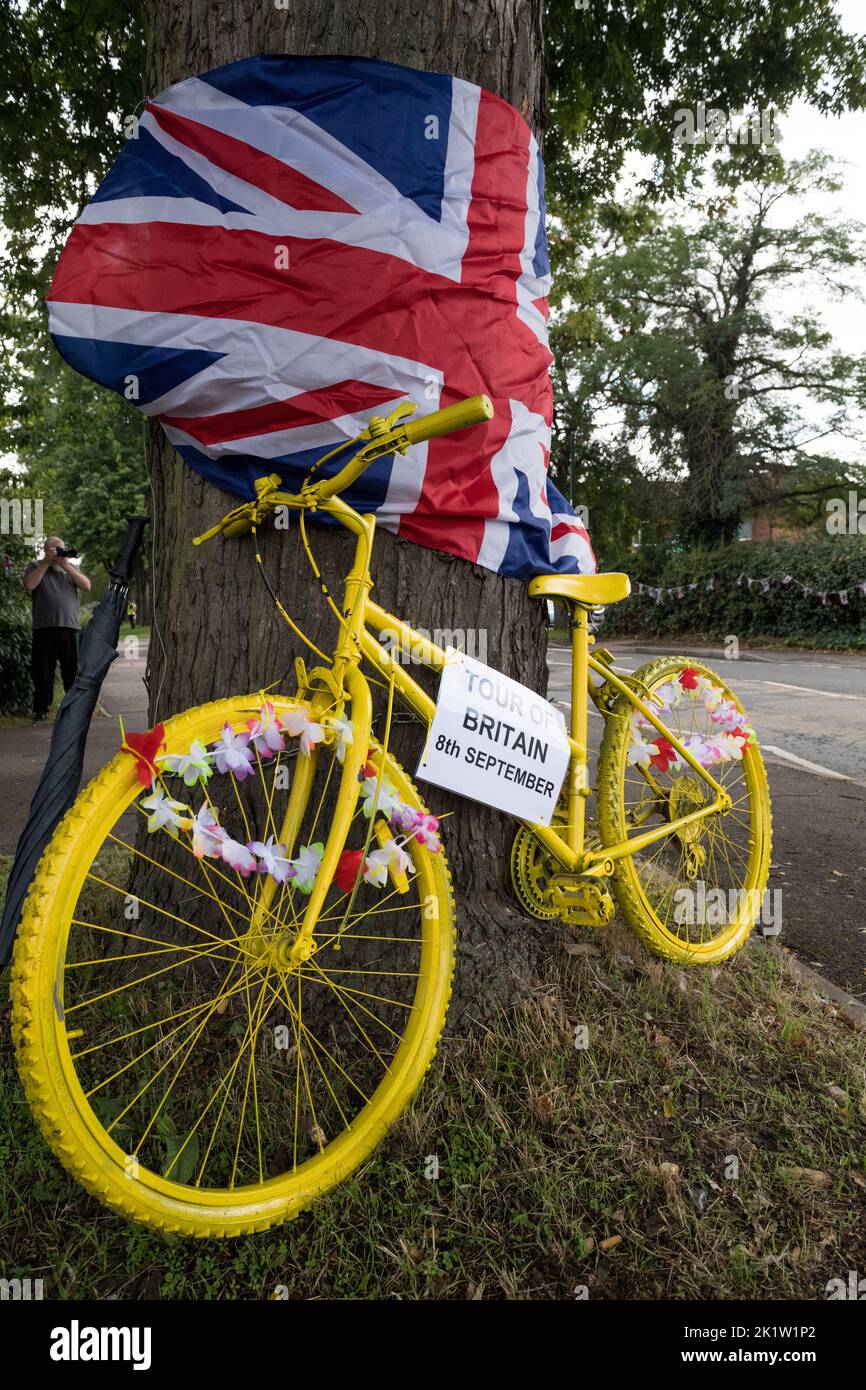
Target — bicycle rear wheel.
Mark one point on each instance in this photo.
(695, 895)
(180, 1066)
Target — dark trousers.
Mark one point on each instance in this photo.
(50, 645)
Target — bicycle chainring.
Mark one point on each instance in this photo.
(533, 870)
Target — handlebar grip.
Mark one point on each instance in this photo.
(473, 411)
(122, 567)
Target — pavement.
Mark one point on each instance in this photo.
(24, 748)
(809, 711)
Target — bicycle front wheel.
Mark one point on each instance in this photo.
(182, 1065)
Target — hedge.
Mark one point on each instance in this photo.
(16, 691)
(717, 605)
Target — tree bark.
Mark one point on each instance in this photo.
(221, 631)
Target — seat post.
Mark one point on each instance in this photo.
(579, 715)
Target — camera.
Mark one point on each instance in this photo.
(66, 554)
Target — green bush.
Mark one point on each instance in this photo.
(15, 690)
(782, 611)
(15, 687)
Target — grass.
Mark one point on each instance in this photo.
(141, 631)
(709, 1142)
(15, 721)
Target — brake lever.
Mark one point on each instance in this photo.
(234, 523)
(379, 426)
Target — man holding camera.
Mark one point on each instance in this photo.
(54, 584)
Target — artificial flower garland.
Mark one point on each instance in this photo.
(239, 754)
(731, 736)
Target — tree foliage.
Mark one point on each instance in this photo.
(71, 76)
(71, 72)
(690, 350)
(83, 452)
(15, 616)
(618, 74)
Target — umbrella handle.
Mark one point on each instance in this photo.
(126, 559)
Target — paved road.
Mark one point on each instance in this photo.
(805, 707)
(23, 750)
(809, 712)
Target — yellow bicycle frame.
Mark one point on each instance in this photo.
(359, 638)
(363, 623)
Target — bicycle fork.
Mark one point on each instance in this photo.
(330, 689)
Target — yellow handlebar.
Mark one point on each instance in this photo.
(473, 411)
(394, 435)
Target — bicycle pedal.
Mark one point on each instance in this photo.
(581, 903)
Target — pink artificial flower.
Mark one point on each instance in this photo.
(272, 859)
(207, 835)
(726, 714)
(702, 750)
(238, 857)
(233, 753)
(298, 721)
(403, 817)
(425, 832)
(264, 732)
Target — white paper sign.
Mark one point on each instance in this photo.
(495, 741)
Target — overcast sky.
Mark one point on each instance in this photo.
(844, 137)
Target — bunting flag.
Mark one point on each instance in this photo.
(289, 246)
(842, 596)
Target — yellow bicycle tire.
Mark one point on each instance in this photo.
(57, 1101)
(626, 883)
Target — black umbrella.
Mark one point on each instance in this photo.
(61, 777)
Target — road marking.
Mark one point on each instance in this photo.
(809, 689)
(817, 768)
(804, 763)
(564, 704)
(620, 670)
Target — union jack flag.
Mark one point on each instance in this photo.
(289, 246)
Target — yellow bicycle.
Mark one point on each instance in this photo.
(235, 959)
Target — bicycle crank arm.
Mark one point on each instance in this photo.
(581, 904)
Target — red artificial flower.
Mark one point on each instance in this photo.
(348, 867)
(369, 769)
(688, 678)
(144, 748)
(664, 757)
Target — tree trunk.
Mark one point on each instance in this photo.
(221, 632)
